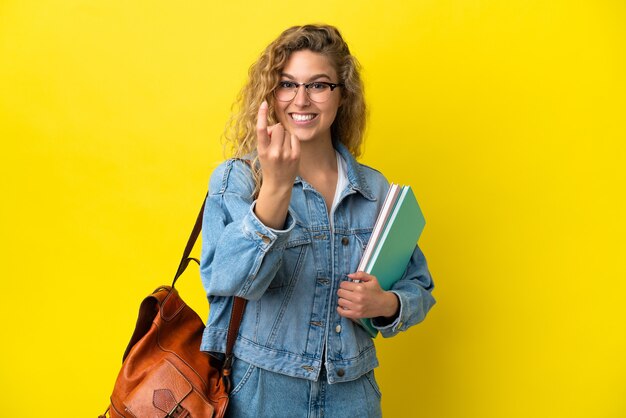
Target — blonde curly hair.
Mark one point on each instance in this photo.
(264, 75)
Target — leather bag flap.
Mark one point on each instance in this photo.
(160, 393)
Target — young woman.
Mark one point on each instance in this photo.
(285, 225)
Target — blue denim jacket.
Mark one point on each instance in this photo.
(290, 277)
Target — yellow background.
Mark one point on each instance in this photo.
(506, 116)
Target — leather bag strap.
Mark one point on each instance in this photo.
(195, 233)
(239, 304)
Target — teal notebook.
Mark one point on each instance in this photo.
(393, 249)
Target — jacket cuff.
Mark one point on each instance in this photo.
(388, 327)
(263, 236)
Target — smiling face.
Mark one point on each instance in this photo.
(308, 120)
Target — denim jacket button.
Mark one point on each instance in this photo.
(345, 240)
(341, 372)
(263, 237)
(338, 329)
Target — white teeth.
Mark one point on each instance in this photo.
(302, 118)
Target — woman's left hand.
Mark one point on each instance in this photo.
(364, 298)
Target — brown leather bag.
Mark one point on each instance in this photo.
(164, 373)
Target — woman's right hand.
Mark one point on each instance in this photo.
(279, 156)
(279, 152)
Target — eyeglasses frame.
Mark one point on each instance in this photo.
(332, 86)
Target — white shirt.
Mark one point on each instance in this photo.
(342, 182)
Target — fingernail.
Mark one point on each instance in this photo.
(264, 105)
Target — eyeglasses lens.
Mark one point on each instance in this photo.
(317, 92)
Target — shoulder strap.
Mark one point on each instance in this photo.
(239, 304)
(195, 233)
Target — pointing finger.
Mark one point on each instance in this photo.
(261, 126)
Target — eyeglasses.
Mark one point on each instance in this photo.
(318, 91)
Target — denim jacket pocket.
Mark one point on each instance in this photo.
(361, 237)
(295, 251)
